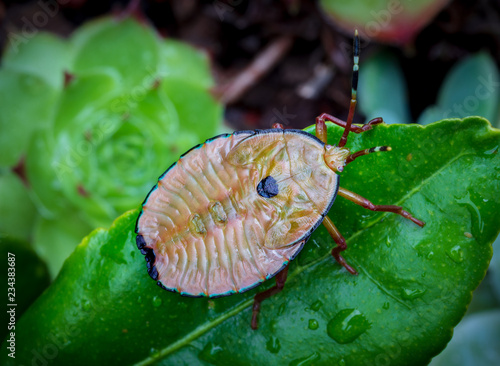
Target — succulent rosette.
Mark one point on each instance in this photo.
(116, 108)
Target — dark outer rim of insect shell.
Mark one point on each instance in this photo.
(147, 252)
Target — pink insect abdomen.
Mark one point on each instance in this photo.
(204, 227)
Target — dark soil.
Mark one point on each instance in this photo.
(305, 64)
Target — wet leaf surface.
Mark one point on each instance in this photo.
(413, 288)
(30, 275)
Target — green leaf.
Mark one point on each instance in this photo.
(180, 61)
(194, 104)
(475, 342)
(54, 240)
(413, 288)
(470, 88)
(17, 123)
(30, 279)
(51, 55)
(126, 45)
(382, 89)
(32, 74)
(17, 212)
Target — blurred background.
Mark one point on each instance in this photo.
(254, 63)
(306, 69)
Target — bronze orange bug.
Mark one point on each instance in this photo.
(233, 211)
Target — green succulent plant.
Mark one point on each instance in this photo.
(103, 113)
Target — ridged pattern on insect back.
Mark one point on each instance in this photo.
(197, 253)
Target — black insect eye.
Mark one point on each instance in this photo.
(267, 187)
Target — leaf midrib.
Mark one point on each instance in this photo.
(188, 338)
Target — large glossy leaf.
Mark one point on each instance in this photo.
(413, 288)
(30, 276)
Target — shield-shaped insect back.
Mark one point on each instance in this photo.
(234, 211)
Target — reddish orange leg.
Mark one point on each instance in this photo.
(278, 125)
(341, 244)
(356, 198)
(261, 296)
(321, 128)
(320, 124)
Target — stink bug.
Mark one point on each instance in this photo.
(233, 211)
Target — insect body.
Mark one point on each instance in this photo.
(232, 212)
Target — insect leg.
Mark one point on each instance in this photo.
(356, 198)
(356, 129)
(341, 244)
(321, 127)
(261, 296)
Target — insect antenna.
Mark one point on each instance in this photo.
(354, 88)
(357, 154)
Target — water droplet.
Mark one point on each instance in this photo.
(306, 361)
(347, 325)
(273, 345)
(153, 350)
(430, 255)
(313, 324)
(412, 293)
(492, 151)
(209, 352)
(386, 305)
(316, 305)
(156, 302)
(477, 224)
(341, 362)
(139, 300)
(456, 254)
(281, 309)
